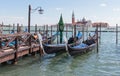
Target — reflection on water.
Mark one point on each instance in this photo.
(104, 63)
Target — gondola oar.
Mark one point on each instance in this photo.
(44, 53)
(66, 45)
(40, 41)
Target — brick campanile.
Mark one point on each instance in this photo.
(73, 18)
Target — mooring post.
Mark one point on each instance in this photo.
(44, 28)
(16, 50)
(30, 50)
(29, 41)
(87, 30)
(1, 28)
(57, 32)
(14, 28)
(75, 32)
(39, 30)
(97, 39)
(116, 34)
(100, 34)
(21, 28)
(35, 28)
(9, 28)
(51, 33)
(83, 31)
(47, 33)
(1, 44)
(72, 29)
(18, 29)
(66, 30)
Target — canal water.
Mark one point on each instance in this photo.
(104, 63)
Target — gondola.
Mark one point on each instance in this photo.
(58, 48)
(82, 48)
(54, 48)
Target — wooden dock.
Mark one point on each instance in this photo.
(24, 44)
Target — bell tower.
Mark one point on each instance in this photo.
(73, 18)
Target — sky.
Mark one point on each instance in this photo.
(16, 11)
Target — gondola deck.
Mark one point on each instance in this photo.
(75, 51)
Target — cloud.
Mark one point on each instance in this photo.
(59, 9)
(12, 17)
(116, 9)
(103, 5)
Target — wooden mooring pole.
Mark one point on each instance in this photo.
(21, 28)
(18, 29)
(97, 39)
(44, 29)
(9, 28)
(116, 34)
(1, 44)
(29, 42)
(100, 34)
(51, 33)
(72, 30)
(75, 32)
(14, 28)
(16, 50)
(66, 30)
(47, 32)
(83, 31)
(35, 28)
(57, 35)
(39, 30)
(1, 28)
(86, 30)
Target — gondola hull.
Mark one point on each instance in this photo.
(75, 51)
(57, 48)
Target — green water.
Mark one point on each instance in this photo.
(104, 63)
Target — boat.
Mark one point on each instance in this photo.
(54, 48)
(81, 48)
(49, 48)
(59, 48)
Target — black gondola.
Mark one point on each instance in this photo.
(54, 48)
(74, 51)
(82, 48)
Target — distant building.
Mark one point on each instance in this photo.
(84, 22)
(78, 23)
(100, 24)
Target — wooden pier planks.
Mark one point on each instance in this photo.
(6, 55)
(9, 54)
(13, 52)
